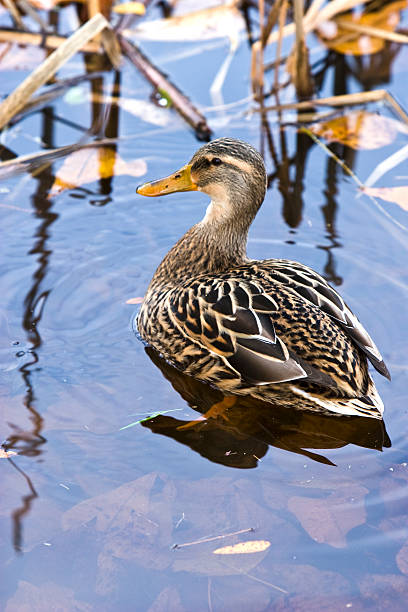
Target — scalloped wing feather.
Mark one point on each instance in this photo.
(233, 319)
(312, 287)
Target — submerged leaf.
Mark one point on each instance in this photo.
(359, 130)
(243, 548)
(358, 43)
(397, 195)
(329, 519)
(91, 164)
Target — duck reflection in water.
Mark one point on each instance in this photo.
(240, 436)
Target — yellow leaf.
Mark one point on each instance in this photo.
(357, 43)
(243, 548)
(359, 130)
(130, 8)
(397, 195)
(91, 164)
(6, 454)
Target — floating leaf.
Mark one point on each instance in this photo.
(359, 130)
(130, 8)
(397, 195)
(91, 164)
(6, 454)
(342, 40)
(243, 548)
(214, 22)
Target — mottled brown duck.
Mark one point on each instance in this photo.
(264, 328)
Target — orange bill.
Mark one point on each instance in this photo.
(179, 181)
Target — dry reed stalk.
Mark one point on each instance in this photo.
(21, 95)
(50, 41)
(13, 10)
(315, 17)
(298, 62)
(283, 10)
(33, 13)
(378, 95)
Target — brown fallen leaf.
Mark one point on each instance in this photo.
(397, 195)
(91, 164)
(243, 548)
(359, 130)
(135, 300)
(130, 8)
(6, 454)
(356, 43)
(329, 519)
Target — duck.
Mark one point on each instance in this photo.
(269, 328)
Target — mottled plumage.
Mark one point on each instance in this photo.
(252, 327)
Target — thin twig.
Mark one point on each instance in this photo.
(348, 171)
(219, 537)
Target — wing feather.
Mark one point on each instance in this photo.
(312, 287)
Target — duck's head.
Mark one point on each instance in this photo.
(230, 171)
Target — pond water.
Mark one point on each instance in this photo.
(99, 516)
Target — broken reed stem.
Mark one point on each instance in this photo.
(21, 95)
(372, 31)
(33, 13)
(166, 89)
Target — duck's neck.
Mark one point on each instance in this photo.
(212, 246)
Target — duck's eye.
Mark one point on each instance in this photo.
(216, 161)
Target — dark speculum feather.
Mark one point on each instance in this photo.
(307, 293)
(224, 305)
(212, 296)
(329, 294)
(263, 304)
(242, 297)
(268, 328)
(302, 280)
(262, 347)
(244, 322)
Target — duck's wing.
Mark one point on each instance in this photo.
(312, 287)
(234, 320)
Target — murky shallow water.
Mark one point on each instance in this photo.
(90, 511)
